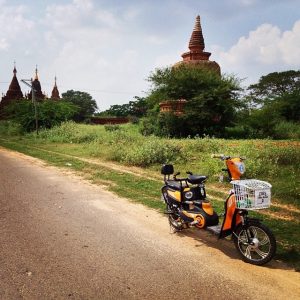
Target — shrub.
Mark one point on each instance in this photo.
(69, 132)
(287, 130)
(10, 128)
(110, 127)
(49, 113)
(150, 151)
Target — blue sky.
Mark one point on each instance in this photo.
(108, 48)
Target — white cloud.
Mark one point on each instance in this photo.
(245, 2)
(92, 51)
(290, 45)
(155, 40)
(264, 50)
(3, 44)
(14, 25)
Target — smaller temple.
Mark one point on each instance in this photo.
(14, 90)
(174, 106)
(37, 87)
(55, 92)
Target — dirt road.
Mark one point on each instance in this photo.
(63, 238)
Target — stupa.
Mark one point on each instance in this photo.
(37, 87)
(197, 56)
(55, 92)
(14, 90)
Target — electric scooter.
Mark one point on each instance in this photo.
(187, 206)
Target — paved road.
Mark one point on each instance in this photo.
(63, 238)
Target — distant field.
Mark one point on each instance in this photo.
(90, 149)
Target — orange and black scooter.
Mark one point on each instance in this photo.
(187, 206)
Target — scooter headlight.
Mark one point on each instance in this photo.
(241, 167)
(189, 195)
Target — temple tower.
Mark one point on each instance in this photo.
(197, 56)
(55, 92)
(37, 86)
(14, 90)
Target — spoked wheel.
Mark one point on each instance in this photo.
(256, 243)
(175, 222)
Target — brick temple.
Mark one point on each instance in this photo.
(195, 57)
(14, 91)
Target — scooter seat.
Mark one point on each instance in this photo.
(175, 185)
(196, 179)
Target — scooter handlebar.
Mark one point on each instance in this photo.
(225, 157)
(221, 156)
(175, 175)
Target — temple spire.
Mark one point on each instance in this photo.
(55, 92)
(197, 56)
(37, 86)
(197, 24)
(14, 90)
(197, 40)
(36, 73)
(15, 70)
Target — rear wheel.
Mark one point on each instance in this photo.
(174, 221)
(255, 242)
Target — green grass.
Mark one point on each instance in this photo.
(273, 161)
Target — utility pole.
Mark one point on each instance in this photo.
(25, 81)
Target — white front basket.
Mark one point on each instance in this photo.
(252, 194)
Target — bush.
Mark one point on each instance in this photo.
(287, 130)
(10, 128)
(237, 132)
(149, 152)
(49, 112)
(68, 132)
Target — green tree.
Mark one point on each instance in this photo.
(50, 113)
(87, 105)
(289, 106)
(275, 85)
(135, 108)
(211, 100)
(273, 101)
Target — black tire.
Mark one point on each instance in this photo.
(262, 246)
(174, 221)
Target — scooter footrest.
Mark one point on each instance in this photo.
(214, 229)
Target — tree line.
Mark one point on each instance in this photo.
(219, 106)
(215, 106)
(74, 105)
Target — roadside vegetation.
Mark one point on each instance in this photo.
(80, 147)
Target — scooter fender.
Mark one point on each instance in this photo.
(232, 219)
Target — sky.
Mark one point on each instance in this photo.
(108, 48)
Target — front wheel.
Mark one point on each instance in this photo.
(255, 242)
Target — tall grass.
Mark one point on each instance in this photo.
(275, 161)
(10, 128)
